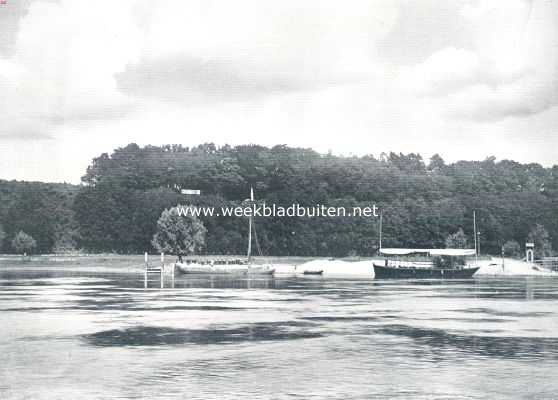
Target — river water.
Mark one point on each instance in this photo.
(72, 336)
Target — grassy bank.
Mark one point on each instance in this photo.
(119, 263)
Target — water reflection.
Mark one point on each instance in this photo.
(221, 282)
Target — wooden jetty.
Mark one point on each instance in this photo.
(157, 270)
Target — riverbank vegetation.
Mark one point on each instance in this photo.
(123, 194)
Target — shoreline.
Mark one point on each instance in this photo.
(285, 266)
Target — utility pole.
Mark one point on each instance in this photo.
(249, 252)
(381, 231)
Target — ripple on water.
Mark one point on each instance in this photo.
(504, 313)
(517, 347)
(160, 336)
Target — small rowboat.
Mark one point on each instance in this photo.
(313, 272)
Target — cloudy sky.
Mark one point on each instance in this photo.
(464, 78)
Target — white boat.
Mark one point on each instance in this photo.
(223, 267)
(228, 266)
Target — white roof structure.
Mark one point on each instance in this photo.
(432, 252)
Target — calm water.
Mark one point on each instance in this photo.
(68, 336)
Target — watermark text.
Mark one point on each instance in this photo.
(294, 210)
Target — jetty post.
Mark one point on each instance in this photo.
(160, 270)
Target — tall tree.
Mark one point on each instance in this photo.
(2, 236)
(511, 248)
(540, 237)
(457, 240)
(437, 164)
(23, 243)
(179, 234)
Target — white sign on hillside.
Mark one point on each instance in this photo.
(190, 191)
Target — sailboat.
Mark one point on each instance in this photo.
(223, 266)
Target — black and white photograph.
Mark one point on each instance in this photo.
(278, 199)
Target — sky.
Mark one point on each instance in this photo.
(466, 78)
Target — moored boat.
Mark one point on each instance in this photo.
(383, 272)
(242, 267)
(313, 272)
(223, 267)
(426, 263)
(433, 264)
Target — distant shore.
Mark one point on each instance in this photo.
(357, 266)
(117, 263)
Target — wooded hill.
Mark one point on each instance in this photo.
(122, 195)
(43, 210)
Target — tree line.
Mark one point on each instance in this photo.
(122, 196)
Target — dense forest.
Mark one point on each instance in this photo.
(122, 195)
(43, 210)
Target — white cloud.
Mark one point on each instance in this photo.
(69, 54)
(222, 49)
(445, 71)
(63, 65)
(312, 73)
(511, 71)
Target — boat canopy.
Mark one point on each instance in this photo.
(432, 252)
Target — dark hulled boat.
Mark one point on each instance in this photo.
(426, 263)
(433, 264)
(383, 272)
(313, 272)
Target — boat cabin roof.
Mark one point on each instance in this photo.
(431, 252)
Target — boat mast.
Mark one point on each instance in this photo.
(381, 231)
(250, 227)
(475, 236)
